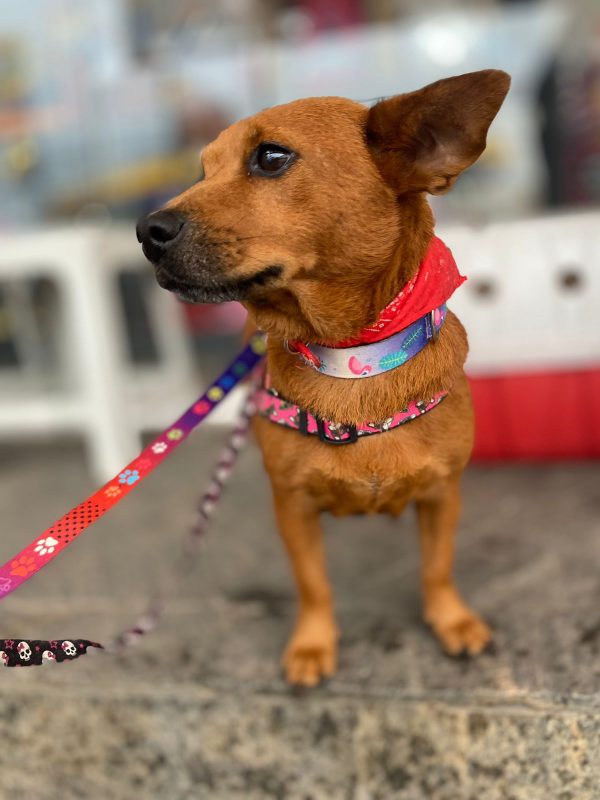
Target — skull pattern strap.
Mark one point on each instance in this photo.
(30, 652)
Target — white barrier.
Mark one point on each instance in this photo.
(97, 394)
(532, 302)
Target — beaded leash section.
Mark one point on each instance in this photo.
(149, 619)
(56, 538)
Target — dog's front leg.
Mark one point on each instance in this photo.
(311, 653)
(458, 628)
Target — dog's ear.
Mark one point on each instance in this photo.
(423, 140)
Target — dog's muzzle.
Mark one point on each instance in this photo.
(158, 232)
(189, 263)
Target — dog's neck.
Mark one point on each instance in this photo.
(337, 306)
(373, 398)
(435, 369)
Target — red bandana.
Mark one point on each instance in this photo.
(435, 281)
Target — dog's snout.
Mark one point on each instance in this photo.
(159, 231)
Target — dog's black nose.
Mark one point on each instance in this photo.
(158, 231)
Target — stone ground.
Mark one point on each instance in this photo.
(199, 710)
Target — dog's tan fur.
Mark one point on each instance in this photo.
(348, 225)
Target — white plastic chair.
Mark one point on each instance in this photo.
(101, 397)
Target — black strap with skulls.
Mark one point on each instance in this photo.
(27, 652)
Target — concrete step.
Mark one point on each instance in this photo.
(199, 710)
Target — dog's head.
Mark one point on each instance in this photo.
(305, 207)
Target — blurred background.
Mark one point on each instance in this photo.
(104, 107)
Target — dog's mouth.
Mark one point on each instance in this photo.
(216, 289)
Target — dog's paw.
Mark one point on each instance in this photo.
(311, 654)
(468, 636)
(309, 667)
(460, 631)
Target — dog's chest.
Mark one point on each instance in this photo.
(372, 490)
(377, 476)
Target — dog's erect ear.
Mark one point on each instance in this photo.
(423, 140)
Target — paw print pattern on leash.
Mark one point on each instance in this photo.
(45, 546)
(22, 566)
(129, 476)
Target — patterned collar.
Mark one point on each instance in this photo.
(367, 360)
(271, 405)
(361, 361)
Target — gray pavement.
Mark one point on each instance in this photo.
(199, 710)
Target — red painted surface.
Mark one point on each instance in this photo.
(537, 416)
(219, 318)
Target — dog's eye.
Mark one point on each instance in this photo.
(270, 160)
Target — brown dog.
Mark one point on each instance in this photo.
(313, 214)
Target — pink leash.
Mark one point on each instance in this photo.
(59, 536)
